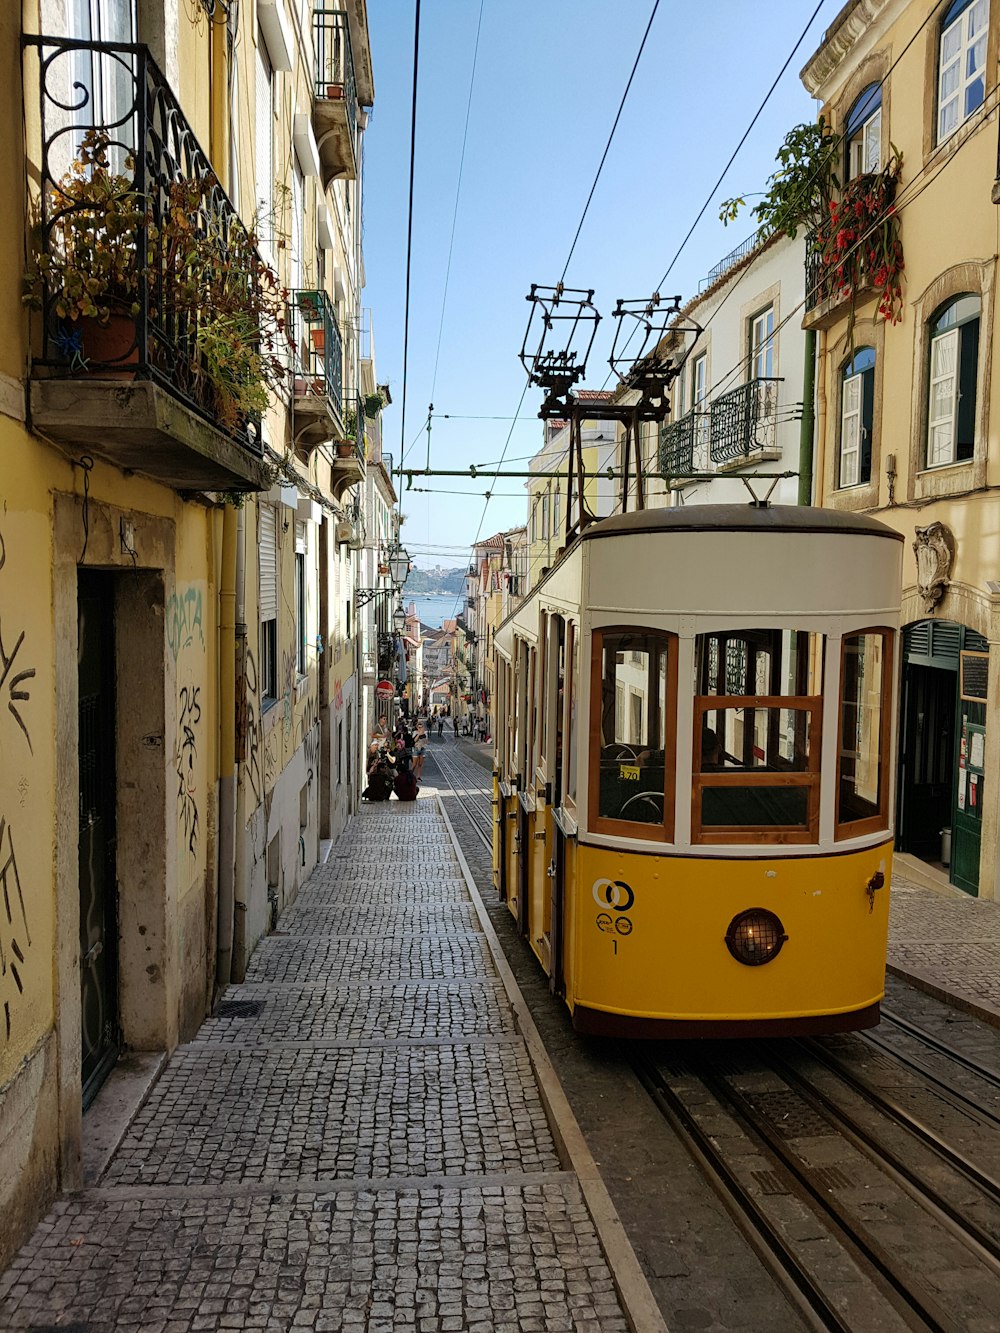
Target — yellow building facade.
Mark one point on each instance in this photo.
(905, 426)
(177, 653)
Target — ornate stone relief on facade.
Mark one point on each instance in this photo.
(934, 548)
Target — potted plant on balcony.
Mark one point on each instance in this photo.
(86, 267)
(226, 304)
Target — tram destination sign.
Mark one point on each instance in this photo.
(974, 670)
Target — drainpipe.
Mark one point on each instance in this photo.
(240, 888)
(227, 746)
(807, 430)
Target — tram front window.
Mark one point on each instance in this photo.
(633, 702)
(756, 752)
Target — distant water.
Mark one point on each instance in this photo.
(434, 609)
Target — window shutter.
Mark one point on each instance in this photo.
(300, 537)
(265, 155)
(268, 556)
(941, 400)
(850, 431)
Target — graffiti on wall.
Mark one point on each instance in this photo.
(15, 937)
(252, 727)
(186, 755)
(12, 682)
(183, 617)
(186, 636)
(15, 934)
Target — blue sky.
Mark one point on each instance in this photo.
(549, 78)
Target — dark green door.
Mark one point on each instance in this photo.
(926, 769)
(967, 822)
(98, 795)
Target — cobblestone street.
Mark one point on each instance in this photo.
(355, 1141)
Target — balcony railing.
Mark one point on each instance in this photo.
(730, 261)
(318, 350)
(829, 271)
(684, 445)
(336, 89)
(743, 421)
(115, 96)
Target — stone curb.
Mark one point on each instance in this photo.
(639, 1306)
(939, 991)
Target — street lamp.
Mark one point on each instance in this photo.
(399, 565)
(399, 619)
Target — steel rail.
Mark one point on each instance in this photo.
(958, 1161)
(982, 1071)
(878, 1259)
(951, 1216)
(798, 1285)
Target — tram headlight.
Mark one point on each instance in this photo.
(755, 936)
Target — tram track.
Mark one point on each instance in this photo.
(469, 782)
(855, 1181)
(784, 1155)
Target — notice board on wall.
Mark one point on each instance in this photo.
(974, 670)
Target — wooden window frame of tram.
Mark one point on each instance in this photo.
(856, 828)
(750, 834)
(628, 828)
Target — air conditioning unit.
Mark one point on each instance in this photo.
(349, 533)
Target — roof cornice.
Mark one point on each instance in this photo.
(839, 40)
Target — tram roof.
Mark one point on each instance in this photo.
(740, 518)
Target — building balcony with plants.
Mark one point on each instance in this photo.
(161, 333)
(317, 369)
(856, 252)
(335, 103)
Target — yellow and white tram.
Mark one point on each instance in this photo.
(695, 711)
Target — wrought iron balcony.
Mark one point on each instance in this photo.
(318, 368)
(335, 106)
(734, 257)
(128, 210)
(742, 422)
(834, 275)
(684, 446)
(348, 466)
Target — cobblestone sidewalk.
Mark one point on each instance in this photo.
(355, 1141)
(948, 944)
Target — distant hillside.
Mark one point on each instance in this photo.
(422, 582)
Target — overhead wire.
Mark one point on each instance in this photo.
(924, 178)
(409, 226)
(576, 236)
(458, 192)
(809, 182)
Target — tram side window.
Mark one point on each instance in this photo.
(865, 674)
(573, 653)
(632, 726)
(757, 735)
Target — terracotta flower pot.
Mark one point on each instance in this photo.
(110, 348)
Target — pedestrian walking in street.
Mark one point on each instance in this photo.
(441, 727)
(419, 745)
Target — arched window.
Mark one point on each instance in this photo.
(857, 409)
(961, 63)
(863, 133)
(954, 361)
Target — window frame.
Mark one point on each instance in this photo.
(866, 108)
(966, 360)
(809, 778)
(959, 12)
(627, 828)
(866, 418)
(764, 348)
(842, 830)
